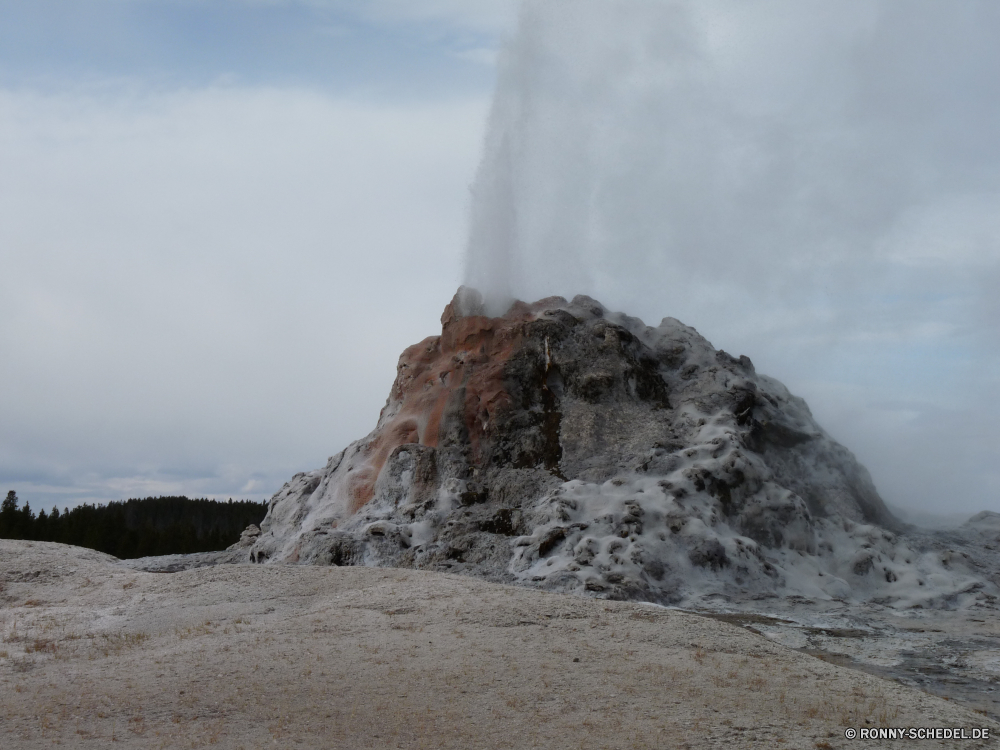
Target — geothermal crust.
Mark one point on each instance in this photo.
(234, 657)
(575, 449)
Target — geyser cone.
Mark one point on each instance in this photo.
(568, 447)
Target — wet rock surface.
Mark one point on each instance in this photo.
(953, 654)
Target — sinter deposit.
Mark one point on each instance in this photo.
(575, 449)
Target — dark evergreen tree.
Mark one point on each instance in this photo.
(41, 530)
(11, 518)
(26, 522)
(9, 505)
(8, 511)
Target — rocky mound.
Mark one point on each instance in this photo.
(571, 448)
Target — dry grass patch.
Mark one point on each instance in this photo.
(40, 646)
(109, 644)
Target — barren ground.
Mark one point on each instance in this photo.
(242, 656)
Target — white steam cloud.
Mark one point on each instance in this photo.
(711, 137)
(799, 179)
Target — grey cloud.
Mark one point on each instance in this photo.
(205, 288)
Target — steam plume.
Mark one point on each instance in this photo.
(757, 143)
(816, 176)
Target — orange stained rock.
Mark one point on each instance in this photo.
(461, 369)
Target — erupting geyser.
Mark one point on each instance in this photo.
(565, 446)
(657, 147)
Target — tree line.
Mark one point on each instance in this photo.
(135, 527)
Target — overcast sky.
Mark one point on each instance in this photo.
(222, 221)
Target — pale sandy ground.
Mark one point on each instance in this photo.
(94, 655)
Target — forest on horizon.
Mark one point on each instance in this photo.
(136, 527)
